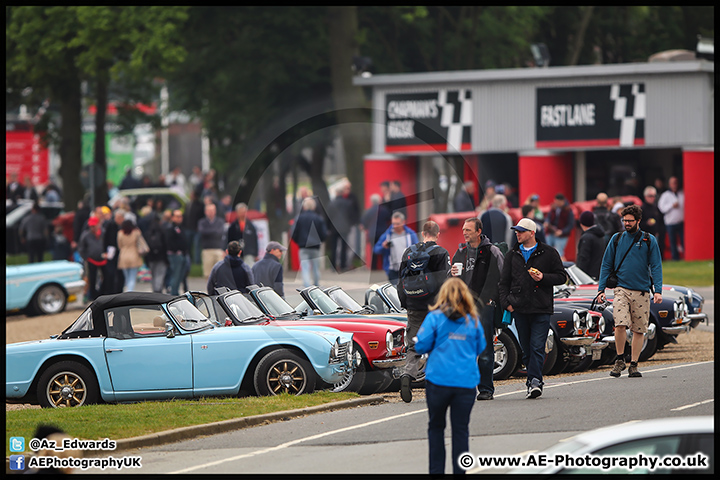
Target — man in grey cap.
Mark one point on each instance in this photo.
(269, 270)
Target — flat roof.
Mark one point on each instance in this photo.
(465, 76)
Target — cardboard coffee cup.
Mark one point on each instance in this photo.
(459, 267)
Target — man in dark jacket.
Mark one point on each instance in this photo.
(591, 246)
(309, 232)
(231, 271)
(156, 258)
(559, 224)
(92, 249)
(269, 270)
(526, 290)
(343, 214)
(609, 222)
(653, 221)
(417, 306)
(177, 249)
(243, 229)
(482, 263)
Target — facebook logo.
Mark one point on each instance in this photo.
(17, 444)
(17, 462)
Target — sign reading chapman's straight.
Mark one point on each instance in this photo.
(439, 121)
(597, 116)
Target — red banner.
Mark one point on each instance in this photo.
(25, 156)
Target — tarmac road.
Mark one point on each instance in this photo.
(392, 437)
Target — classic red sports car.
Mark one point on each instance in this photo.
(379, 343)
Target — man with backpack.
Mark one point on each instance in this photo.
(423, 269)
(482, 263)
(607, 220)
(632, 271)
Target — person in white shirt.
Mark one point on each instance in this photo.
(672, 206)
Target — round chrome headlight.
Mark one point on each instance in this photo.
(676, 309)
(389, 341)
(590, 321)
(336, 348)
(601, 325)
(576, 320)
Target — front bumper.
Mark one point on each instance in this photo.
(390, 362)
(676, 330)
(74, 288)
(577, 341)
(697, 318)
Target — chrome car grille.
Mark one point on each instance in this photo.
(342, 356)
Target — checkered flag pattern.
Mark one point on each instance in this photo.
(456, 116)
(629, 109)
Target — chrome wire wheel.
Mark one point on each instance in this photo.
(344, 382)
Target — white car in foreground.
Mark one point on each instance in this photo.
(676, 445)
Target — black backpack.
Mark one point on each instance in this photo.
(418, 281)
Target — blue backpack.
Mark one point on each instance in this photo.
(418, 281)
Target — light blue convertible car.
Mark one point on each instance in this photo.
(149, 346)
(43, 288)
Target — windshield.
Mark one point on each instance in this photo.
(391, 293)
(341, 297)
(242, 308)
(84, 323)
(274, 303)
(580, 276)
(323, 302)
(187, 315)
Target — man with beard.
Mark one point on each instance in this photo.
(635, 258)
(482, 263)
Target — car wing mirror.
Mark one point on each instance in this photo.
(169, 329)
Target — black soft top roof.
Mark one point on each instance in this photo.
(104, 302)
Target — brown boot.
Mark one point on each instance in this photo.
(618, 367)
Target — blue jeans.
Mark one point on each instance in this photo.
(558, 242)
(532, 331)
(176, 269)
(486, 360)
(130, 278)
(460, 401)
(310, 261)
(676, 236)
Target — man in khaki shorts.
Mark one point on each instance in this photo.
(635, 258)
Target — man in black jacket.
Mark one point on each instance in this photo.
(243, 229)
(417, 304)
(482, 263)
(591, 246)
(269, 270)
(526, 290)
(309, 232)
(231, 272)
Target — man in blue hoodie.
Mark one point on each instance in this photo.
(639, 274)
(391, 245)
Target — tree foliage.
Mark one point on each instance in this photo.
(254, 74)
(55, 49)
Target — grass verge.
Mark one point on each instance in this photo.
(698, 273)
(129, 420)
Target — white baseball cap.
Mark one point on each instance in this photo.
(525, 224)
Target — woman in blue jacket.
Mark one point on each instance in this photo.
(452, 335)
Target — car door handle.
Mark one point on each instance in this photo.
(109, 350)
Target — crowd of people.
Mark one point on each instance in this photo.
(454, 302)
